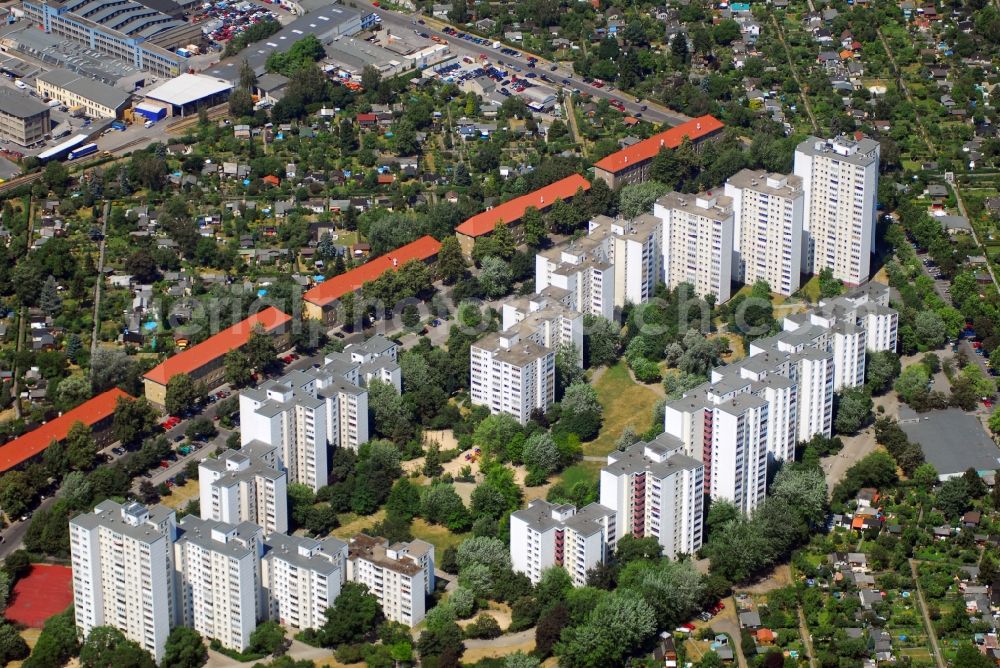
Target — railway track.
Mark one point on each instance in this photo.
(80, 164)
(216, 112)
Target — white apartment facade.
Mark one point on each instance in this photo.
(399, 575)
(768, 213)
(236, 487)
(302, 578)
(725, 427)
(840, 180)
(545, 535)
(305, 414)
(656, 490)
(218, 579)
(123, 565)
(512, 375)
(698, 242)
(578, 274)
(545, 321)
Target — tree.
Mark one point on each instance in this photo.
(371, 78)
(268, 638)
(133, 420)
(185, 649)
(853, 409)
(618, 625)
(15, 493)
(403, 501)
(73, 391)
(260, 350)
(440, 504)
(631, 549)
(602, 341)
(107, 647)
(803, 489)
(12, 645)
(627, 439)
(57, 642)
(881, 369)
(110, 367)
(240, 103)
(925, 475)
(634, 200)
(495, 277)
(451, 263)
(541, 453)
(912, 382)
(353, 618)
(81, 450)
(238, 370)
(49, 300)
(432, 461)
(968, 656)
(463, 602)
(930, 329)
(673, 589)
(953, 498)
(828, 285)
(182, 394)
(581, 411)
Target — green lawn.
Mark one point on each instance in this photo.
(625, 402)
(437, 535)
(581, 472)
(810, 290)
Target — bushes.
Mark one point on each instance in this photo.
(485, 626)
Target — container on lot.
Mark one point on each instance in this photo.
(86, 149)
(150, 111)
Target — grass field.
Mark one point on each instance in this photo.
(581, 472)
(625, 402)
(810, 290)
(180, 496)
(437, 535)
(351, 524)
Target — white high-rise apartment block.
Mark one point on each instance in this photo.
(634, 248)
(302, 578)
(698, 242)
(512, 375)
(578, 274)
(218, 579)
(306, 413)
(768, 211)
(544, 535)
(123, 571)
(400, 575)
(375, 359)
(238, 487)
(840, 179)
(545, 321)
(726, 428)
(656, 490)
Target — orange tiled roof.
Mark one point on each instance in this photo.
(694, 130)
(512, 210)
(89, 413)
(216, 346)
(334, 288)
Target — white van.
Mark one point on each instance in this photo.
(20, 84)
(149, 124)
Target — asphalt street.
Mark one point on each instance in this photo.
(563, 74)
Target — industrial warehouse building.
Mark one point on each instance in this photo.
(123, 29)
(97, 99)
(23, 120)
(204, 362)
(184, 95)
(327, 24)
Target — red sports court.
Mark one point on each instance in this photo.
(46, 591)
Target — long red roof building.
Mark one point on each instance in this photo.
(204, 360)
(424, 249)
(631, 164)
(95, 413)
(510, 212)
